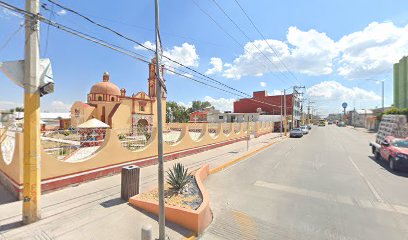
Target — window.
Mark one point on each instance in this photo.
(112, 99)
(220, 117)
(141, 108)
(100, 98)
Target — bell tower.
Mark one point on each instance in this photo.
(152, 77)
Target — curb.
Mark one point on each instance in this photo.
(232, 162)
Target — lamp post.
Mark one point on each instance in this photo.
(382, 89)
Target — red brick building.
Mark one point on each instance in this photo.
(248, 105)
(271, 105)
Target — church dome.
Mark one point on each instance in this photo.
(105, 87)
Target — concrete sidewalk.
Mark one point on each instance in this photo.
(94, 210)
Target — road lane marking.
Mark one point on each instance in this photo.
(370, 186)
(335, 198)
(244, 157)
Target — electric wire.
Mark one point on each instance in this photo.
(263, 37)
(248, 38)
(116, 48)
(143, 46)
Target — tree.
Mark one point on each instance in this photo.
(19, 109)
(178, 112)
(198, 105)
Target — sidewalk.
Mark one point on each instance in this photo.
(94, 210)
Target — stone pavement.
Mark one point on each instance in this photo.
(94, 210)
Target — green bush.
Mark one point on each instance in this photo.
(394, 111)
(178, 177)
(121, 136)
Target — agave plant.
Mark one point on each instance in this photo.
(178, 177)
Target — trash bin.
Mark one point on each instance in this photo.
(129, 182)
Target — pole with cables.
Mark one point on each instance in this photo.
(284, 112)
(281, 115)
(32, 154)
(159, 82)
(382, 95)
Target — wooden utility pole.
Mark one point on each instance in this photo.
(32, 155)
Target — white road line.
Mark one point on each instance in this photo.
(370, 186)
(334, 198)
(276, 165)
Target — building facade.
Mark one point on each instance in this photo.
(401, 83)
(264, 104)
(109, 104)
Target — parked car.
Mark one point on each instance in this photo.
(341, 124)
(322, 123)
(296, 132)
(394, 151)
(309, 126)
(330, 123)
(305, 129)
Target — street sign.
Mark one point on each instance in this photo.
(344, 105)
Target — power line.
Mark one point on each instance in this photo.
(228, 34)
(143, 46)
(114, 47)
(8, 40)
(247, 37)
(260, 33)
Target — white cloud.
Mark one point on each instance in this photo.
(59, 106)
(8, 13)
(373, 50)
(147, 44)
(276, 92)
(186, 105)
(9, 104)
(263, 84)
(308, 52)
(185, 54)
(332, 90)
(61, 12)
(361, 54)
(216, 66)
(222, 104)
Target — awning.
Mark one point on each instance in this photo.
(93, 123)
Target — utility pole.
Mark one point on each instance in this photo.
(294, 96)
(281, 116)
(32, 155)
(248, 134)
(284, 112)
(159, 85)
(382, 93)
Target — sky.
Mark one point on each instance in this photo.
(330, 47)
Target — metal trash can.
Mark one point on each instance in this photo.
(129, 182)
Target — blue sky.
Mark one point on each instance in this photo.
(330, 46)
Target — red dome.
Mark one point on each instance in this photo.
(105, 88)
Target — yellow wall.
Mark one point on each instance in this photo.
(85, 114)
(111, 152)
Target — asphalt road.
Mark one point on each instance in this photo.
(325, 185)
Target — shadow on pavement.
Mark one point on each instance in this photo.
(10, 226)
(172, 226)
(6, 196)
(112, 202)
(384, 164)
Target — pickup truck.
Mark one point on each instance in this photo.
(393, 150)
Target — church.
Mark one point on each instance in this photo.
(110, 104)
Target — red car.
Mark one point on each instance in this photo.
(395, 151)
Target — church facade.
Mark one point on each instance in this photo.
(110, 104)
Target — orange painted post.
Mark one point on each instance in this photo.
(32, 155)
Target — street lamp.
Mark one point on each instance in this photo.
(382, 89)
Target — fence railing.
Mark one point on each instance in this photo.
(134, 139)
(72, 144)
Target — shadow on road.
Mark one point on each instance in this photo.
(384, 164)
(173, 226)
